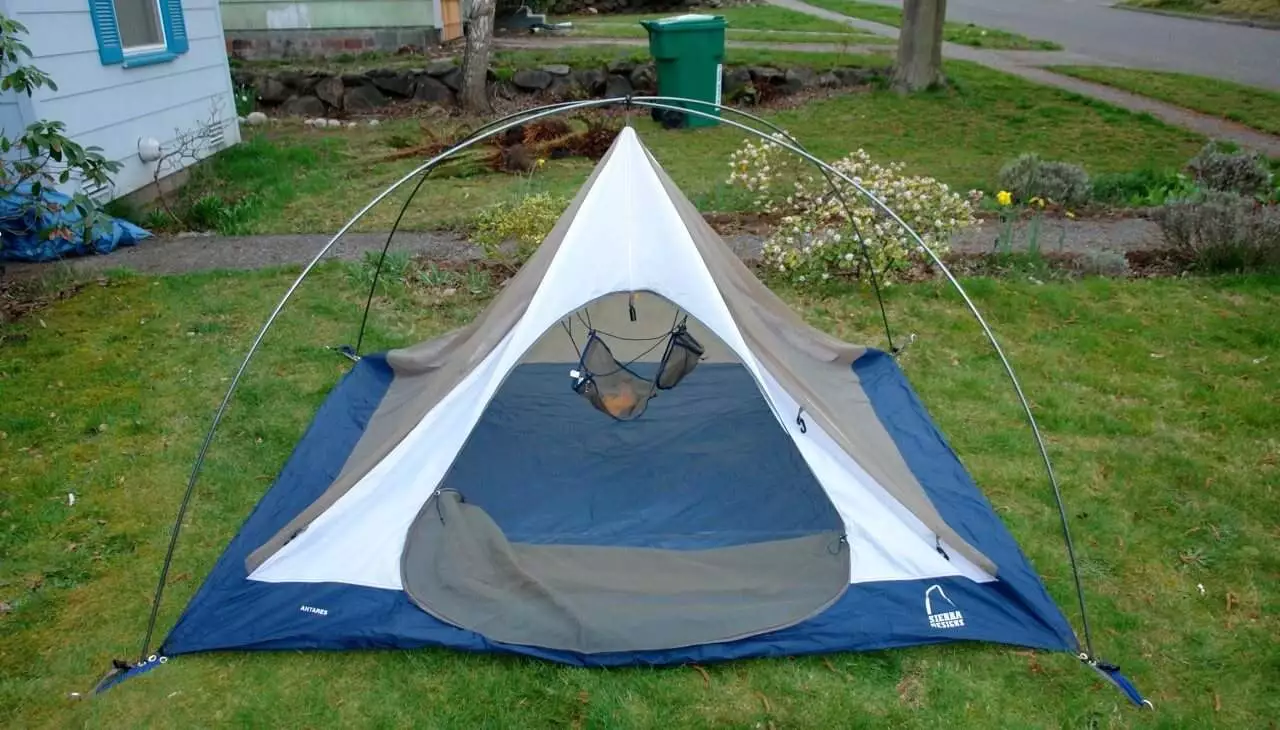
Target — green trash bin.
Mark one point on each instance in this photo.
(688, 52)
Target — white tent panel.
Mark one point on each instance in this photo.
(627, 236)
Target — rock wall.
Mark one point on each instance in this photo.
(318, 94)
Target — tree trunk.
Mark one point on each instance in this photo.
(919, 64)
(474, 96)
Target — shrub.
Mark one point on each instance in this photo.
(1029, 177)
(1218, 231)
(1141, 188)
(1219, 167)
(818, 238)
(1104, 263)
(509, 234)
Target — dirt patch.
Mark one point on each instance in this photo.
(22, 296)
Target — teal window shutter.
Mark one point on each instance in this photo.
(175, 26)
(103, 13)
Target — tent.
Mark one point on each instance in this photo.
(636, 454)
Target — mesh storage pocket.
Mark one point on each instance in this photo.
(682, 356)
(609, 385)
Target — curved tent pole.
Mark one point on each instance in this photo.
(262, 333)
(973, 309)
(490, 130)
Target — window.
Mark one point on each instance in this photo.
(139, 22)
(138, 32)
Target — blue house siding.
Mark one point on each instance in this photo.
(113, 106)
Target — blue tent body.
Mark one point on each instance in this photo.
(232, 612)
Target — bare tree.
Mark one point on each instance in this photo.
(920, 45)
(475, 58)
(188, 147)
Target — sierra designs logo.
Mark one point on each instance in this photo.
(947, 616)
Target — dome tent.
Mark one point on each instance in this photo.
(775, 492)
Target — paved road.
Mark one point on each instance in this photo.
(1141, 40)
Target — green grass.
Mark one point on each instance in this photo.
(961, 136)
(609, 29)
(753, 17)
(966, 34)
(1257, 108)
(762, 23)
(1163, 429)
(1264, 9)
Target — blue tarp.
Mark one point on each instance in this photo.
(27, 236)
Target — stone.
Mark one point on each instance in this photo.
(453, 79)
(272, 90)
(557, 69)
(350, 80)
(304, 106)
(565, 87)
(856, 76)
(622, 67)
(617, 86)
(330, 91)
(736, 80)
(827, 80)
(767, 75)
(531, 80)
(397, 84)
(360, 99)
(256, 119)
(593, 80)
(333, 123)
(374, 122)
(440, 68)
(433, 90)
(796, 79)
(644, 78)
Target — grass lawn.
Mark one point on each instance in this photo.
(1158, 398)
(1269, 9)
(961, 136)
(610, 29)
(1257, 108)
(750, 23)
(966, 34)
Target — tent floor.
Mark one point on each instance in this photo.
(706, 466)
(561, 528)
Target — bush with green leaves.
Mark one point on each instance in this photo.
(1216, 231)
(822, 233)
(42, 156)
(1220, 166)
(509, 234)
(1029, 177)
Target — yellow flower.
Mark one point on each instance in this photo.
(1037, 201)
(1071, 215)
(541, 162)
(1004, 197)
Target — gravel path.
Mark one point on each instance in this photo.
(194, 253)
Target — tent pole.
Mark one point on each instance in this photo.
(973, 309)
(275, 313)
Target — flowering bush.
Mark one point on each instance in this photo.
(522, 226)
(818, 239)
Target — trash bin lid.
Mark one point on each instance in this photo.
(687, 20)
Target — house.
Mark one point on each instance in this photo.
(133, 77)
(315, 28)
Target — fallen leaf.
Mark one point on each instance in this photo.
(765, 701)
(706, 678)
(1217, 702)
(1232, 601)
(5, 608)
